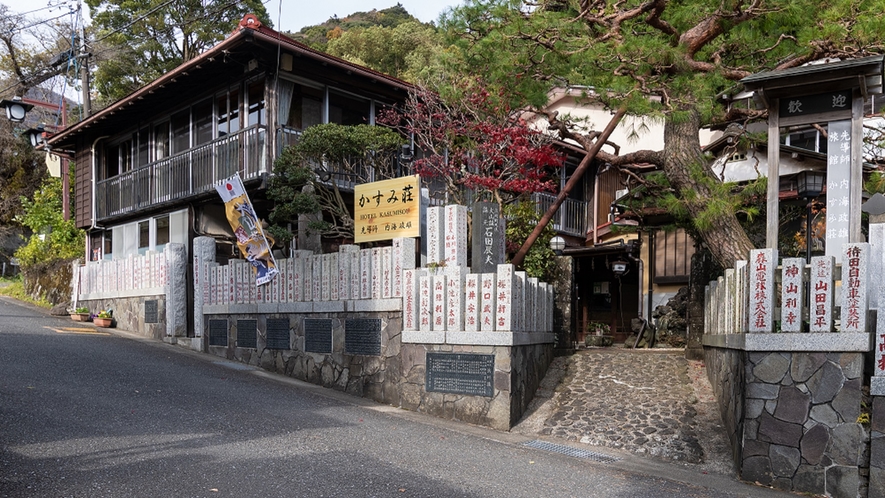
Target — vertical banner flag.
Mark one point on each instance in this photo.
(250, 238)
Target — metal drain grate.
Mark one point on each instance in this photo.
(569, 451)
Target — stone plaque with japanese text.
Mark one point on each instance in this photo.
(151, 311)
(362, 336)
(318, 335)
(461, 373)
(247, 334)
(218, 332)
(277, 333)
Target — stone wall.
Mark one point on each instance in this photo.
(374, 377)
(800, 429)
(518, 373)
(49, 281)
(397, 376)
(129, 314)
(795, 424)
(725, 370)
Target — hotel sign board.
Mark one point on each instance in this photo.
(387, 209)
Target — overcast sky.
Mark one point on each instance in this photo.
(287, 15)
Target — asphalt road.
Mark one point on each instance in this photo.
(87, 414)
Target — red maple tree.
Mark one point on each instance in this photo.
(476, 143)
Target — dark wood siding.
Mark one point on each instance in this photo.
(83, 186)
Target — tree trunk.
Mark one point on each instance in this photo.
(683, 160)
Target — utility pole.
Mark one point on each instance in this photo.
(84, 70)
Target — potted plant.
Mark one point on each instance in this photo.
(80, 314)
(598, 335)
(104, 318)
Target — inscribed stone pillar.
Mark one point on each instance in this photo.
(742, 273)
(519, 313)
(377, 269)
(365, 274)
(316, 277)
(307, 278)
(355, 274)
(301, 276)
(439, 302)
(290, 282)
(487, 302)
(488, 237)
(877, 253)
(455, 298)
(386, 272)
(403, 258)
(792, 294)
(762, 286)
(309, 239)
(532, 309)
(821, 294)
(334, 276)
(435, 219)
(326, 277)
(425, 298)
(455, 247)
(471, 302)
(855, 264)
(204, 253)
(411, 298)
(506, 288)
(546, 313)
(344, 270)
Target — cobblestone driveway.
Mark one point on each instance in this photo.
(643, 401)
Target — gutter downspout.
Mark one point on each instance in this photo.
(93, 226)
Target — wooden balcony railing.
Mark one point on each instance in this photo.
(183, 175)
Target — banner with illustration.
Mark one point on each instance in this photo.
(253, 244)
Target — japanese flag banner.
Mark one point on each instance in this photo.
(253, 244)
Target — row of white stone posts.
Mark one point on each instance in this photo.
(443, 301)
(787, 349)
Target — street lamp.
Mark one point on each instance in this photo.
(36, 135)
(557, 243)
(16, 109)
(809, 185)
(619, 268)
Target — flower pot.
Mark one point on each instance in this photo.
(103, 322)
(80, 317)
(598, 341)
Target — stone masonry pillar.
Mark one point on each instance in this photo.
(204, 252)
(176, 290)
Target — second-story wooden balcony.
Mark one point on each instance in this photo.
(570, 218)
(183, 175)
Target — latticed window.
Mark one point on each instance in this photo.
(673, 252)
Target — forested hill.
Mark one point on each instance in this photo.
(391, 41)
(318, 36)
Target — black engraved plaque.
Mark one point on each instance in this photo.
(460, 373)
(218, 332)
(317, 335)
(247, 334)
(150, 311)
(277, 333)
(362, 336)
